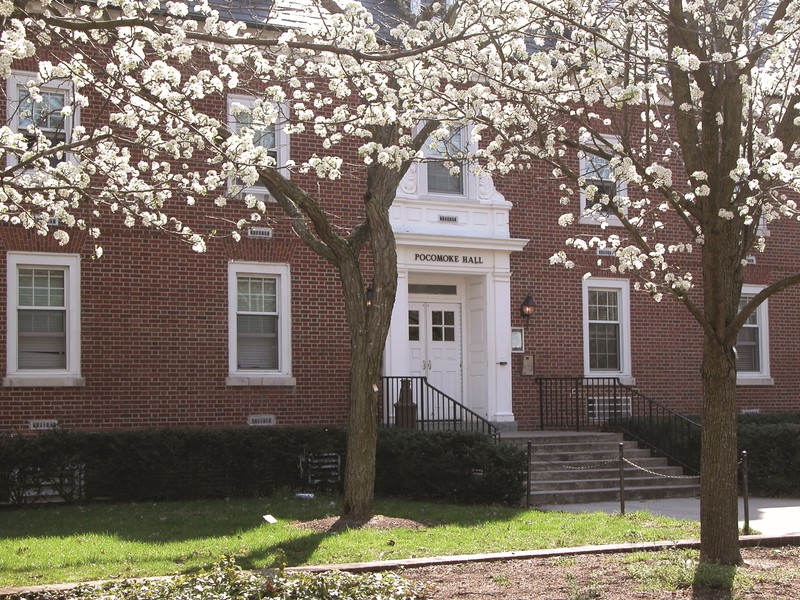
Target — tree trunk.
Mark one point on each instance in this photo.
(362, 433)
(369, 327)
(719, 505)
(719, 498)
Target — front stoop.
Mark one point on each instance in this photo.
(581, 467)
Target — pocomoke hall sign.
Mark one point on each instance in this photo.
(449, 258)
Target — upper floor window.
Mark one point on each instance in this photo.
(416, 6)
(442, 175)
(44, 115)
(43, 343)
(752, 343)
(599, 189)
(259, 324)
(245, 115)
(440, 179)
(606, 328)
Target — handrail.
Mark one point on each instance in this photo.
(606, 403)
(413, 403)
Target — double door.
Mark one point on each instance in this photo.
(434, 338)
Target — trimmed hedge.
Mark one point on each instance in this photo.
(449, 465)
(773, 457)
(182, 464)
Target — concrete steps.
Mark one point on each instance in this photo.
(577, 467)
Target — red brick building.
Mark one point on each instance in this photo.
(253, 333)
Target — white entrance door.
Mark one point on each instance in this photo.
(434, 338)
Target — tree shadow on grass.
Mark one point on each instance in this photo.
(713, 582)
(164, 522)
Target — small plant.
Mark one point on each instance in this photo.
(663, 570)
(340, 585)
(226, 581)
(581, 592)
(501, 580)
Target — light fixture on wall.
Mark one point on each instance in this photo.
(527, 308)
(369, 296)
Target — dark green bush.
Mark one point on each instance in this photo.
(773, 457)
(767, 418)
(182, 464)
(164, 464)
(456, 466)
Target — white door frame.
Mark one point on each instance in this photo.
(482, 272)
(440, 360)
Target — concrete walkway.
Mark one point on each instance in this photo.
(769, 516)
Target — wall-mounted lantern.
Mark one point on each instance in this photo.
(527, 308)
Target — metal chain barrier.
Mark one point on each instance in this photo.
(613, 461)
(660, 474)
(620, 462)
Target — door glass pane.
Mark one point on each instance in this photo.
(443, 327)
(413, 326)
(449, 326)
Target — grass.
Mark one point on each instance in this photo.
(104, 541)
(679, 569)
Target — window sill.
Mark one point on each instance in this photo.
(44, 381)
(611, 221)
(263, 380)
(754, 380)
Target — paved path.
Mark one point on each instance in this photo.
(769, 516)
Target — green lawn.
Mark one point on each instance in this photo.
(104, 541)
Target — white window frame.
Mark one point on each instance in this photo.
(281, 138)
(477, 189)
(622, 288)
(429, 153)
(762, 376)
(19, 79)
(595, 217)
(283, 375)
(69, 376)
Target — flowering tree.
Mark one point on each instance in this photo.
(685, 112)
(675, 127)
(152, 147)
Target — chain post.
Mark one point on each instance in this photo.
(621, 479)
(745, 494)
(530, 457)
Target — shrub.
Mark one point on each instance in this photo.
(773, 457)
(226, 581)
(161, 464)
(181, 464)
(461, 467)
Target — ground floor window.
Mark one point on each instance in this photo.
(606, 328)
(752, 342)
(259, 320)
(43, 317)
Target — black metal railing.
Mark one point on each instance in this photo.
(413, 403)
(585, 403)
